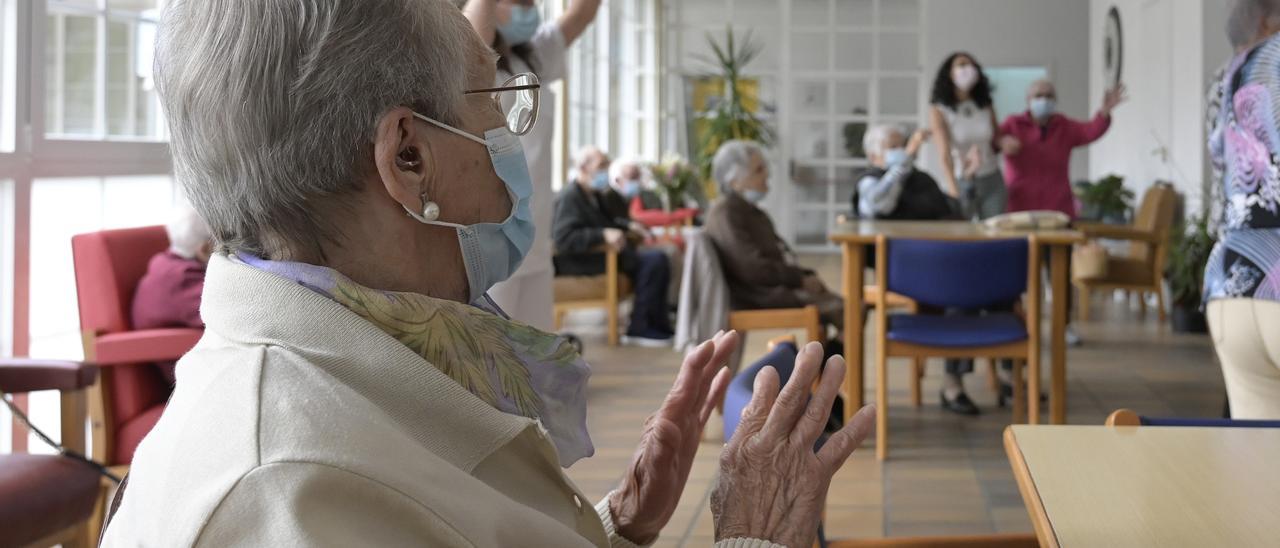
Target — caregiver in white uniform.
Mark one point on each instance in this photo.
(526, 44)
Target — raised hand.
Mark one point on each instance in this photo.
(1114, 98)
(772, 484)
(643, 504)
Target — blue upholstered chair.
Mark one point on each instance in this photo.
(1125, 417)
(968, 275)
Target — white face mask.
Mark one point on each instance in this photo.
(965, 77)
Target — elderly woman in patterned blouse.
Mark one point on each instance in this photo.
(1242, 278)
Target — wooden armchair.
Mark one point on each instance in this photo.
(602, 291)
(1141, 269)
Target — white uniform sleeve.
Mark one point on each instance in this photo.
(549, 45)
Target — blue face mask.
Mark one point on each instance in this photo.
(754, 196)
(1042, 107)
(600, 181)
(492, 252)
(631, 188)
(896, 157)
(523, 24)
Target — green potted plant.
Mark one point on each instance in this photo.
(1106, 200)
(732, 117)
(1189, 248)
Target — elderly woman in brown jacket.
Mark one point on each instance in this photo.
(759, 267)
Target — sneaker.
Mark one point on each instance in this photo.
(649, 338)
(1073, 338)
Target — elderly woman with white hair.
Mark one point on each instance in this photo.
(168, 294)
(759, 267)
(354, 386)
(892, 188)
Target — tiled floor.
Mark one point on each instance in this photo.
(946, 474)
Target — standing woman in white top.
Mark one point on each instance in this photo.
(514, 28)
(966, 134)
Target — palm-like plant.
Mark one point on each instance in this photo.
(730, 118)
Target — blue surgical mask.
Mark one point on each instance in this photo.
(630, 188)
(1042, 107)
(600, 180)
(896, 157)
(492, 252)
(754, 196)
(523, 24)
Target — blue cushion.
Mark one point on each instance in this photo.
(957, 331)
(782, 358)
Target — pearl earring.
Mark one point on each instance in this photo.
(430, 210)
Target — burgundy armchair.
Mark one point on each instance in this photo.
(49, 499)
(131, 394)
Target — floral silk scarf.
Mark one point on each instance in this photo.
(513, 367)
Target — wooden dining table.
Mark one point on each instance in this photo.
(856, 235)
(1148, 485)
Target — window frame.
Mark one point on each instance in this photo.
(34, 156)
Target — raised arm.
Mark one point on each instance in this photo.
(575, 19)
(482, 17)
(942, 139)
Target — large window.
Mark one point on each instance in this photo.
(97, 68)
(827, 69)
(82, 148)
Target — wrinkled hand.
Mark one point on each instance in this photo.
(1010, 145)
(615, 238)
(772, 484)
(640, 231)
(647, 498)
(1113, 98)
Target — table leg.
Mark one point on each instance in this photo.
(1033, 326)
(853, 261)
(1061, 307)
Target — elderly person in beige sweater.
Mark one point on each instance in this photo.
(354, 386)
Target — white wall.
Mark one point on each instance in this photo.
(1051, 33)
(1171, 49)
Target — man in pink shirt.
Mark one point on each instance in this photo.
(1037, 147)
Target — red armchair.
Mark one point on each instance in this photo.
(49, 499)
(130, 395)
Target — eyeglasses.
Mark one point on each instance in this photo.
(517, 98)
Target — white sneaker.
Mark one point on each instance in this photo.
(1073, 338)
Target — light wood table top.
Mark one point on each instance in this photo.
(865, 231)
(1149, 485)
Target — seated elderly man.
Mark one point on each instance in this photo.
(893, 188)
(585, 222)
(168, 295)
(758, 265)
(355, 386)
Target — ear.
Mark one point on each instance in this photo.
(401, 157)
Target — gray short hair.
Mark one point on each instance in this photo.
(585, 152)
(272, 104)
(621, 164)
(732, 161)
(874, 140)
(187, 232)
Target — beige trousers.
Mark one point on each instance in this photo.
(1246, 335)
